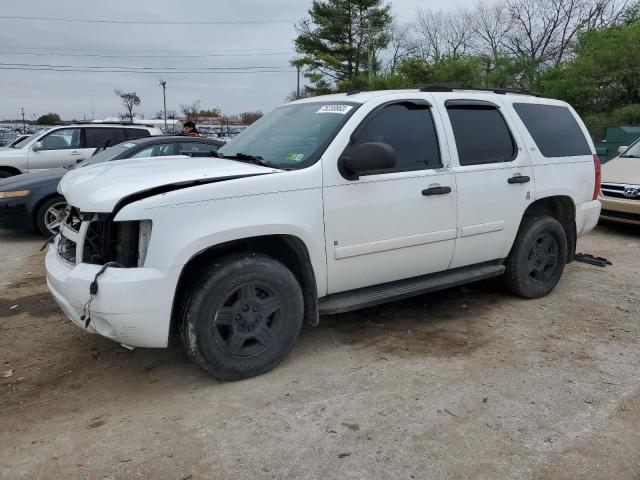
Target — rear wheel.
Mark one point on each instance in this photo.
(242, 317)
(49, 215)
(537, 258)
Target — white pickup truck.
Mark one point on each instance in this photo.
(325, 205)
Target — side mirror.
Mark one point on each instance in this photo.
(622, 149)
(365, 158)
(37, 147)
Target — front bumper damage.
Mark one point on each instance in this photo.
(132, 306)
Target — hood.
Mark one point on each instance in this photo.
(622, 170)
(100, 187)
(32, 180)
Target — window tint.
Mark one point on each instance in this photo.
(409, 129)
(481, 134)
(161, 150)
(133, 133)
(554, 129)
(94, 137)
(188, 147)
(63, 139)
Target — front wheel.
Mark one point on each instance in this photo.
(49, 215)
(537, 258)
(242, 316)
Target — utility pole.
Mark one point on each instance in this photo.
(92, 116)
(298, 87)
(163, 84)
(24, 126)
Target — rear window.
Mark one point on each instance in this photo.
(133, 133)
(94, 137)
(554, 129)
(481, 134)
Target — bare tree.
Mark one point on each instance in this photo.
(130, 100)
(402, 45)
(490, 23)
(443, 33)
(192, 110)
(248, 118)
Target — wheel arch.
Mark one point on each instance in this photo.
(290, 250)
(11, 170)
(563, 209)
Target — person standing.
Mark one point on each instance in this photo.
(189, 129)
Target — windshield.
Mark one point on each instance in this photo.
(25, 141)
(633, 151)
(106, 155)
(292, 136)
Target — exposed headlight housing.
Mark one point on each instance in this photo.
(123, 242)
(14, 194)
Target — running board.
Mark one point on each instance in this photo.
(377, 294)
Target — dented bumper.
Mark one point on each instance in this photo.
(132, 306)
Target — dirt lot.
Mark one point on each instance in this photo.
(467, 383)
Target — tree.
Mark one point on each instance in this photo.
(49, 119)
(191, 111)
(129, 101)
(336, 40)
(248, 118)
(212, 112)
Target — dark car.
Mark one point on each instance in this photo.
(31, 201)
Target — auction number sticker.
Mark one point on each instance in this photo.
(341, 109)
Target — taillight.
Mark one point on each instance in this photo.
(598, 168)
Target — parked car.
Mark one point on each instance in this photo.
(7, 137)
(620, 195)
(31, 201)
(65, 145)
(324, 205)
(16, 141)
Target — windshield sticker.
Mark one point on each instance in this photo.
(341, 109)
(295, 157)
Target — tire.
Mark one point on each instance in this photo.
(242, 316)
(537, 258)
(44, 220)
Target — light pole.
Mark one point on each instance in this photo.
(163, 84)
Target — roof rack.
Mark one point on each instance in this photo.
(498, 90)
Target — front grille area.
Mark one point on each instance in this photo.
(617, 190)
(67, 249)
(109, 241)
(621, 215)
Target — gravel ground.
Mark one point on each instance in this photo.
(465, 383)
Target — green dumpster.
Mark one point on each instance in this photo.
(608, 138)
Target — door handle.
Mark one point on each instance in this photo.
(427, 192)
(519, 179)
(75, 152)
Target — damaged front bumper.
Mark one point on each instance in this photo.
(133, 305)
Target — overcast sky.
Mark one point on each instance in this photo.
(265, 44)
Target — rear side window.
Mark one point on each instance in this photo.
(409, 129)
(93, 137)
(133, 133)
(554, 129)
(481, 134)
(160, 150)
(189, 147)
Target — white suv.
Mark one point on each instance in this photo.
(325, 205)
(65, 145)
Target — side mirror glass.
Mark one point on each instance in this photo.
(366, 158)
(622, 148)
(37, 147)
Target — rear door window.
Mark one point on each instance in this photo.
(190, 147)
(133, 133)
(161, 150)
(554, 129)
(481, 134)
(94, 137)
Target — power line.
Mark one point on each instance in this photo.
(118, 67)
(185, 72)
(95, 55)
(150, 22)
(39, 49)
